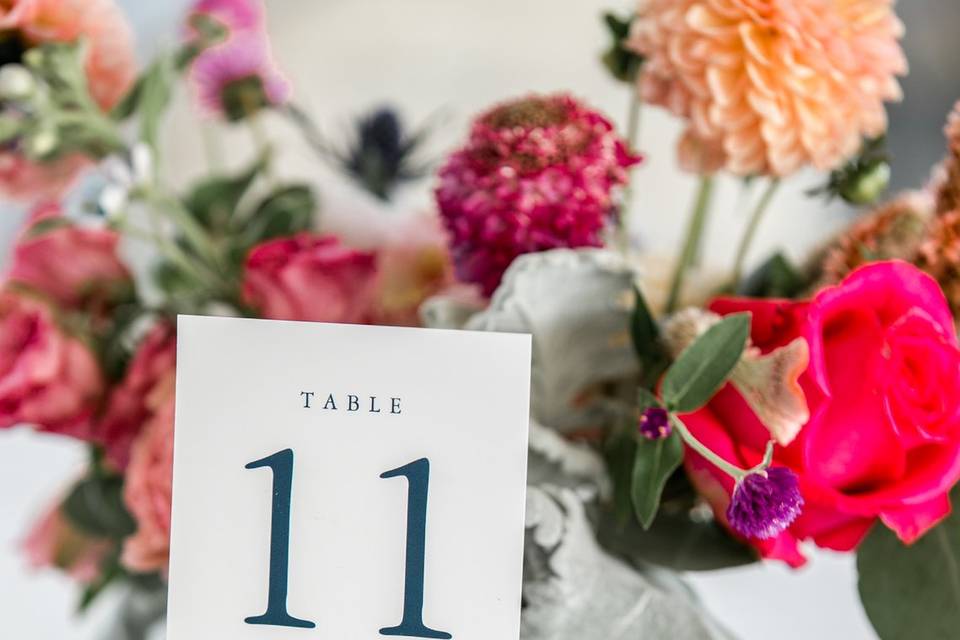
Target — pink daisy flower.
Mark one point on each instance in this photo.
(237, 78)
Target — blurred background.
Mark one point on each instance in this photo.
(448, 59)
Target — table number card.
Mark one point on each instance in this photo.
(338, 482)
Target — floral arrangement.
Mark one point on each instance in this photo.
(795, 406)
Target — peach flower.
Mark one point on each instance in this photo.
(773, 86)
(148, 489)
(110, 67)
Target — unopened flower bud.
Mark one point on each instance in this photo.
(867, 185)
(654, 423)
(16, 82)
(42, 143)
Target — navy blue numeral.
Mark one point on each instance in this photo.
(276, 615)
(417, 474)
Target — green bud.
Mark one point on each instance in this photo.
(866, 186)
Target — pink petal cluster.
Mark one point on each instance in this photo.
(237, 77)
(536, 173)
(48, 378)
(773, 86)
(74, 266)
(144, 389)
(110, 67)
(310, 277)
(148, 492)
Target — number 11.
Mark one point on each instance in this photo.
(411, 625)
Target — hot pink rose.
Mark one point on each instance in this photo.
(883, 387)
(144, 389)
(75, 266)
(47, 378)
(148, 492)
(310, 277)
(55, 542)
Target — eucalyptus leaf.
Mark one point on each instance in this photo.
(654, 463)
(912, 592)
(704, 366)
(677, 540)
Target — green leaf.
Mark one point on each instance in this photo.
(655, 461)
(646, 341)
(96, 507)
(776, 278)
(704, 366)
(912, 592)
(286, 211)
(680, 538)
(214, 201)
(153, 94)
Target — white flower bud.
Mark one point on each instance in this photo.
(16, 82)
(113, 200)
(42, 143)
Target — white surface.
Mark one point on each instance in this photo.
(347, 55)
(239, 385)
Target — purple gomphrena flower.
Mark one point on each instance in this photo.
(765, 503)
(654, 423)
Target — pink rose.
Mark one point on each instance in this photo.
(310, 277)
(75, 266)
(55, 542)
(148, 491)
(883, 388)
(145, 387)
(47, 378)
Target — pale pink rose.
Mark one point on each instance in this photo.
(414, 264)
(110, 68)
(75, 266)
(47, 378)
(143, 390)
(55, 542)
(310, 277)
(148, 493)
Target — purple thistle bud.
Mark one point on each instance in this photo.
(654, 423)
(765, 503)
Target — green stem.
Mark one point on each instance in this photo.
(731, 470)
(633, 141)
(698, 219)
(751, 230)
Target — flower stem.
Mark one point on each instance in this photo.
(633, 141)
(698, 219)
(751, 230)
(733, 471)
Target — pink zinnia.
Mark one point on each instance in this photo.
(237, 78)
(536, 174)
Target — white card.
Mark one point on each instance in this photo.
(397, 514)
